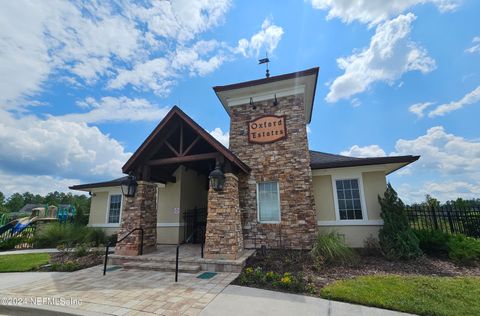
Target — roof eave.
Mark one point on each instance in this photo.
(367, 162)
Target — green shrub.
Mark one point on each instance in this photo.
(55, 234)
(433, 242)
(112, 239)
(396, 237)
(81, 250)
(68, 266)
(96, 236)
(464, 250)
(9, 244)
(331, 249)
(286, 281)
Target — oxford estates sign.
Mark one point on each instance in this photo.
(267, 129)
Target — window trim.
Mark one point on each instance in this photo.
(352, 176)
(108, 207)
(279, 205)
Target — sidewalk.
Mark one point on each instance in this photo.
(23, 251)
(239, 300)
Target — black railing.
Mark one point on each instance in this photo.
(446, 218)
(123, 238)
(188, 240)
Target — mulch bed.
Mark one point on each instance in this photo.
(93, 258)
(301, 262)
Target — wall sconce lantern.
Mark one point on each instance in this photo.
(217, 178)
(129, 186)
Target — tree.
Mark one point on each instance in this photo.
(15, 202)
(3, 208)
(431, 202)
(396, 237)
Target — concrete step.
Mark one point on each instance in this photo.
(166, 267)
(150, 259)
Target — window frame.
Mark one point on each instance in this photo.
(363, 205)
(110, 194)
(278, 200)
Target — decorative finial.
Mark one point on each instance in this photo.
(265, 61)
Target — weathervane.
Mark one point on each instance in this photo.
(265, 61)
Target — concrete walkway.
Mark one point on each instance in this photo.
(239, 300)
(23, 251)
(17, 279)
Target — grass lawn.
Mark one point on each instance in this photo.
(23, 262)
(412, 294)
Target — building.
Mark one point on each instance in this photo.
(277, 192)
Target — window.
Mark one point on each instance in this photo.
(268, 202)
(114, 208)
(348, 197)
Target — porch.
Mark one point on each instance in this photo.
(172, 169)
(189, 260)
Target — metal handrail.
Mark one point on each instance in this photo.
(111, 244)
(186, 241)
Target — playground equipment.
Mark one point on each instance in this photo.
(16, 227)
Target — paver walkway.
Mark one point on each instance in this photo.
(127, 292)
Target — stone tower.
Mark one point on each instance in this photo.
(268, 132)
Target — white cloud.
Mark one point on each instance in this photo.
(43, 184)
(476, 46)
(391, 54)
(199, 59)
(443, 191)
(89, 41)
(365, 151)
(470, 98)
(266, 39)
(181, 19)
(419, 108)
(116, 109)
(374, 11)
(222, 137)
(38, 40)
(449, 166)
(443, 153)
(57, 149)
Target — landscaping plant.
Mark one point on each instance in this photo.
(464, 250)
(396, 237)
(433, 242)
(331, 249)
(96, 236)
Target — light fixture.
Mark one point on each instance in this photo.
(217, 178)
(252, 104)
(129, 186)
(275, 101)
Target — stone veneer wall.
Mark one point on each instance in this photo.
(286, 161)
(139, 211)
(223, 238)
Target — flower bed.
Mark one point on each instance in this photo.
(266, 271)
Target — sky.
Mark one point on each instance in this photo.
(83, 83)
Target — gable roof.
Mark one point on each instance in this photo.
(321, 160)
(177, 112)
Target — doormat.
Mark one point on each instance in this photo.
(113, 268)
(207, 275)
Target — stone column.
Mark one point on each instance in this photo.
(139, 211)
(223, 238)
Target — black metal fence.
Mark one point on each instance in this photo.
(446, 218)
(195, 222)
